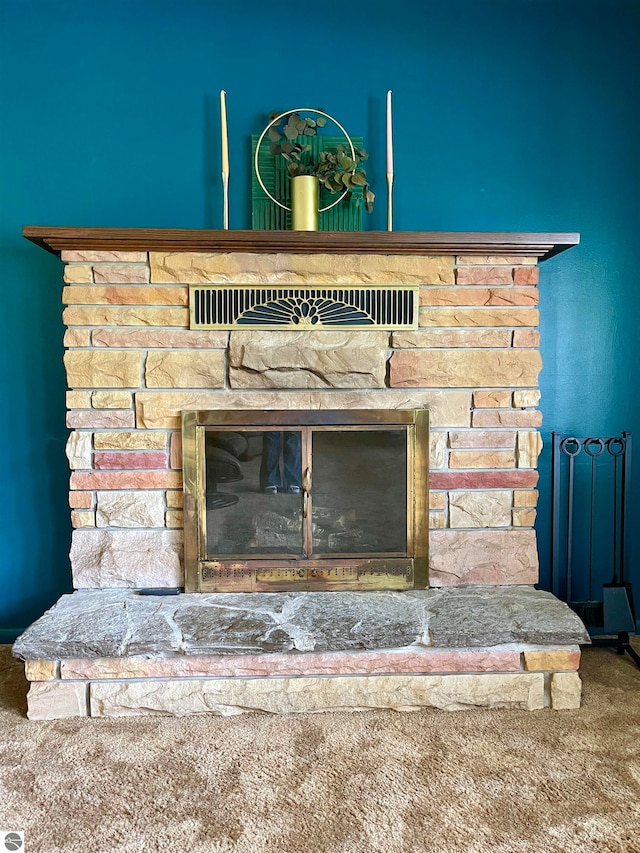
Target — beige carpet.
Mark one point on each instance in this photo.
(497, 781)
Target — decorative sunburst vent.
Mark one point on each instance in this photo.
(352, 307)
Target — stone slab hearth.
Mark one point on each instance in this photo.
(115, 652)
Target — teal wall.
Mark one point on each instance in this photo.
(516, 115)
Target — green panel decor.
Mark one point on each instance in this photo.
(265, 215)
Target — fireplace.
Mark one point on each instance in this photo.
(437, 607)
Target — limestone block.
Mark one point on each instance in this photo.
(526, 337)
(526, 399)
(141, 440)
(78, 450)
(437, 449)
(174, 500)
(506, 418)
(117, 460)
(129, 273)
(491, 399)
(126, 558)
(477, 317)
(451, 338)
(130, 509)
(481, 459)
(552, 659)
(484, 275)
(77, 338)
(282, 695)
(56, 700)
(469, 296)
(460, 557)
(526, 275)
(282, 359)
(160, 338)
(525, 497)
(41, 670)
(529, 445)
(437, 500)
(78, 399)
(505, 479)
(97, 419)
(111, 399)
(83, 518)
(174, 518)
(161, 409)
(127, 295)
(109, 369)
(495, 260)
(437, 520)
(480, 509)
(185, 369)
(132, 316)
(81, 500)
(283, 268)
(78, 273)
(524, 517)
(469, 439)
(94, 256)
(566, 691)
(175, 452)
(464, 368)
(126, 480)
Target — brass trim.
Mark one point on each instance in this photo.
(191, 504)
(421, 499)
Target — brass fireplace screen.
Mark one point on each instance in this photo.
(305, 500)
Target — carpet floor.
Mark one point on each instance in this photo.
(451, 782)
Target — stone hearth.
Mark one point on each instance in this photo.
(134, 365)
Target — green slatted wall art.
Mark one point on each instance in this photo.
(265, 215)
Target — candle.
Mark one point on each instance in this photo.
(389, 136)
(223, 128)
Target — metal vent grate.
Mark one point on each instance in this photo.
(352, 307)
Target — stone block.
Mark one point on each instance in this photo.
(109, 369)
(528, 447)
(525, 497)
(125, 273)
(484, 275)
(282, 359)
(129, 459)
(462, 557)
(524, 517)
(103, 257)
(159, 338)
(111, 399)
(126, 558)
(526, 399)
(437, 520)
(526, 337)
(566, 691)
(77, 338)
(161, 409)
(481, 459)
(506, 418)
(464, 368)
(283, 268)
(437, 500)
(131, 316)
(83, 518)
(491, 399)
(481, 479)
(174, 500)
(480, 509)
(469, 296)
(302, 694)
(437, 449)
(526, 275)
(81, 500)
(56, 700)
(174, 518)
(477, 317)
(99, 419)
(175, 453)
(130, 509)
(495, 260)
(452, 338)
(78, 450)
(78, 274)
(127, 295)
(140, 440)
(78, 399)
(502, 439)
(126, 480)
(41, 670)
(540, 660)
(185, 369)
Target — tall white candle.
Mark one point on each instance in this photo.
(223, 129)
(389, 136)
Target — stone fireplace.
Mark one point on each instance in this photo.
(480, 634)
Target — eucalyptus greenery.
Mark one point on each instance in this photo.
(337, 171)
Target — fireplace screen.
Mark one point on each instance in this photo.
(305, 500)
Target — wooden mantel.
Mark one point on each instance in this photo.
(539, 245)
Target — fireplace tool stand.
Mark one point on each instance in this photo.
(590, 496)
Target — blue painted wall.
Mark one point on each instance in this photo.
(526, 112)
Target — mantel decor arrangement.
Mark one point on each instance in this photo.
(303, 167)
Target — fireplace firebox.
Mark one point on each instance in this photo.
(307, 500)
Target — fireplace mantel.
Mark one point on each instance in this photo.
(539, 245)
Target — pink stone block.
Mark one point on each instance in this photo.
(470, 557)
(526, 275)
(100, 418)
(484, 275)
(126, 460)
(482, 438)
(525, 479)
(526, 338)
(126, 480)
(506, 418)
